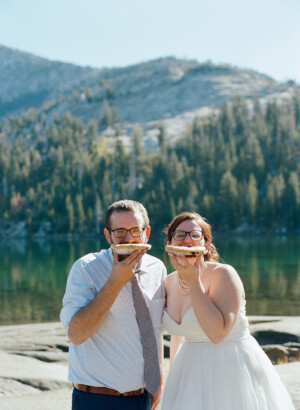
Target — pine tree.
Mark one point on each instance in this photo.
(70, 213)
(97, 214)
(279, 188)
(80, 213)
(252, 197)
(137, 140)
(269, 202)
(162, 137)
(293, 196)
(107, 114)
(230, 199)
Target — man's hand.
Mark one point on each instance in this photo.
(155, 399)
(87, 320)
(123, 271)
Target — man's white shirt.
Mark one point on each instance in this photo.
(113, 356)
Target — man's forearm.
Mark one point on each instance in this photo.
(87, 320)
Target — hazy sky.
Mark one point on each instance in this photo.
(260, 34)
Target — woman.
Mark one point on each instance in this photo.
(219, 366)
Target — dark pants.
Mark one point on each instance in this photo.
(91, 401)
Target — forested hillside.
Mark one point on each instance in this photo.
(239, 168)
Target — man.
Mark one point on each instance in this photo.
(110, 358)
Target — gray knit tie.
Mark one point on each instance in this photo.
(151, 370)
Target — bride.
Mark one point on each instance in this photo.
(219, 365)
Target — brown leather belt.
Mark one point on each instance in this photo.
(106, 390)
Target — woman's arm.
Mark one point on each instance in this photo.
(175, 340)
(217, 312)
(174, 345)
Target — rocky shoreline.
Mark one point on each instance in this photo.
(34, 360)
(18, 230)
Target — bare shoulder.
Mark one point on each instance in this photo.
(222, 269)
(170, 279)
(225, 274)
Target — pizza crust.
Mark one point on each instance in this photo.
(127, 248)
(184, 250)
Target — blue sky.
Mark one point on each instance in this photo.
(263, 35)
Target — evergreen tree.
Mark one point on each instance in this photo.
(70, 213)
(108, 115)
(229, 198)
(137, 140)
(162, 137)
(293, 196)
(252, 197)
(80, 213)
(97, 215)
(279, 189)
(234, 166)
(269, 202)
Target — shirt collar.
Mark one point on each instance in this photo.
(142, 266)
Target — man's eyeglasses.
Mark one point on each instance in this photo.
(181, 235)
(122, 232)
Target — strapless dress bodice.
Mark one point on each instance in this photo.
(231, 375)
(192, 331)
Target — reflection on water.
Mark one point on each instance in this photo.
(33, 275)
(33, 278)
(270, 271)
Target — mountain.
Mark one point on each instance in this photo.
(28, 81)
(167, 89)
(63, 161)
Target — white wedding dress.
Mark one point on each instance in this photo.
(235, 374)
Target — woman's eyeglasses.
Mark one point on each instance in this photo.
(181, 235)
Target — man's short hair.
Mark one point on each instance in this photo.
(127, 205)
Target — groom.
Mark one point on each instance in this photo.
(112, 313)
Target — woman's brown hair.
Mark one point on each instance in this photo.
(212, 254)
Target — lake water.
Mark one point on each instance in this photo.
(33, 274)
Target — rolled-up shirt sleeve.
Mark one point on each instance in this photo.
(80, 291)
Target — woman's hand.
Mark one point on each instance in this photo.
(188, 272)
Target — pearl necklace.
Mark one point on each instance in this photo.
(183, 286)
